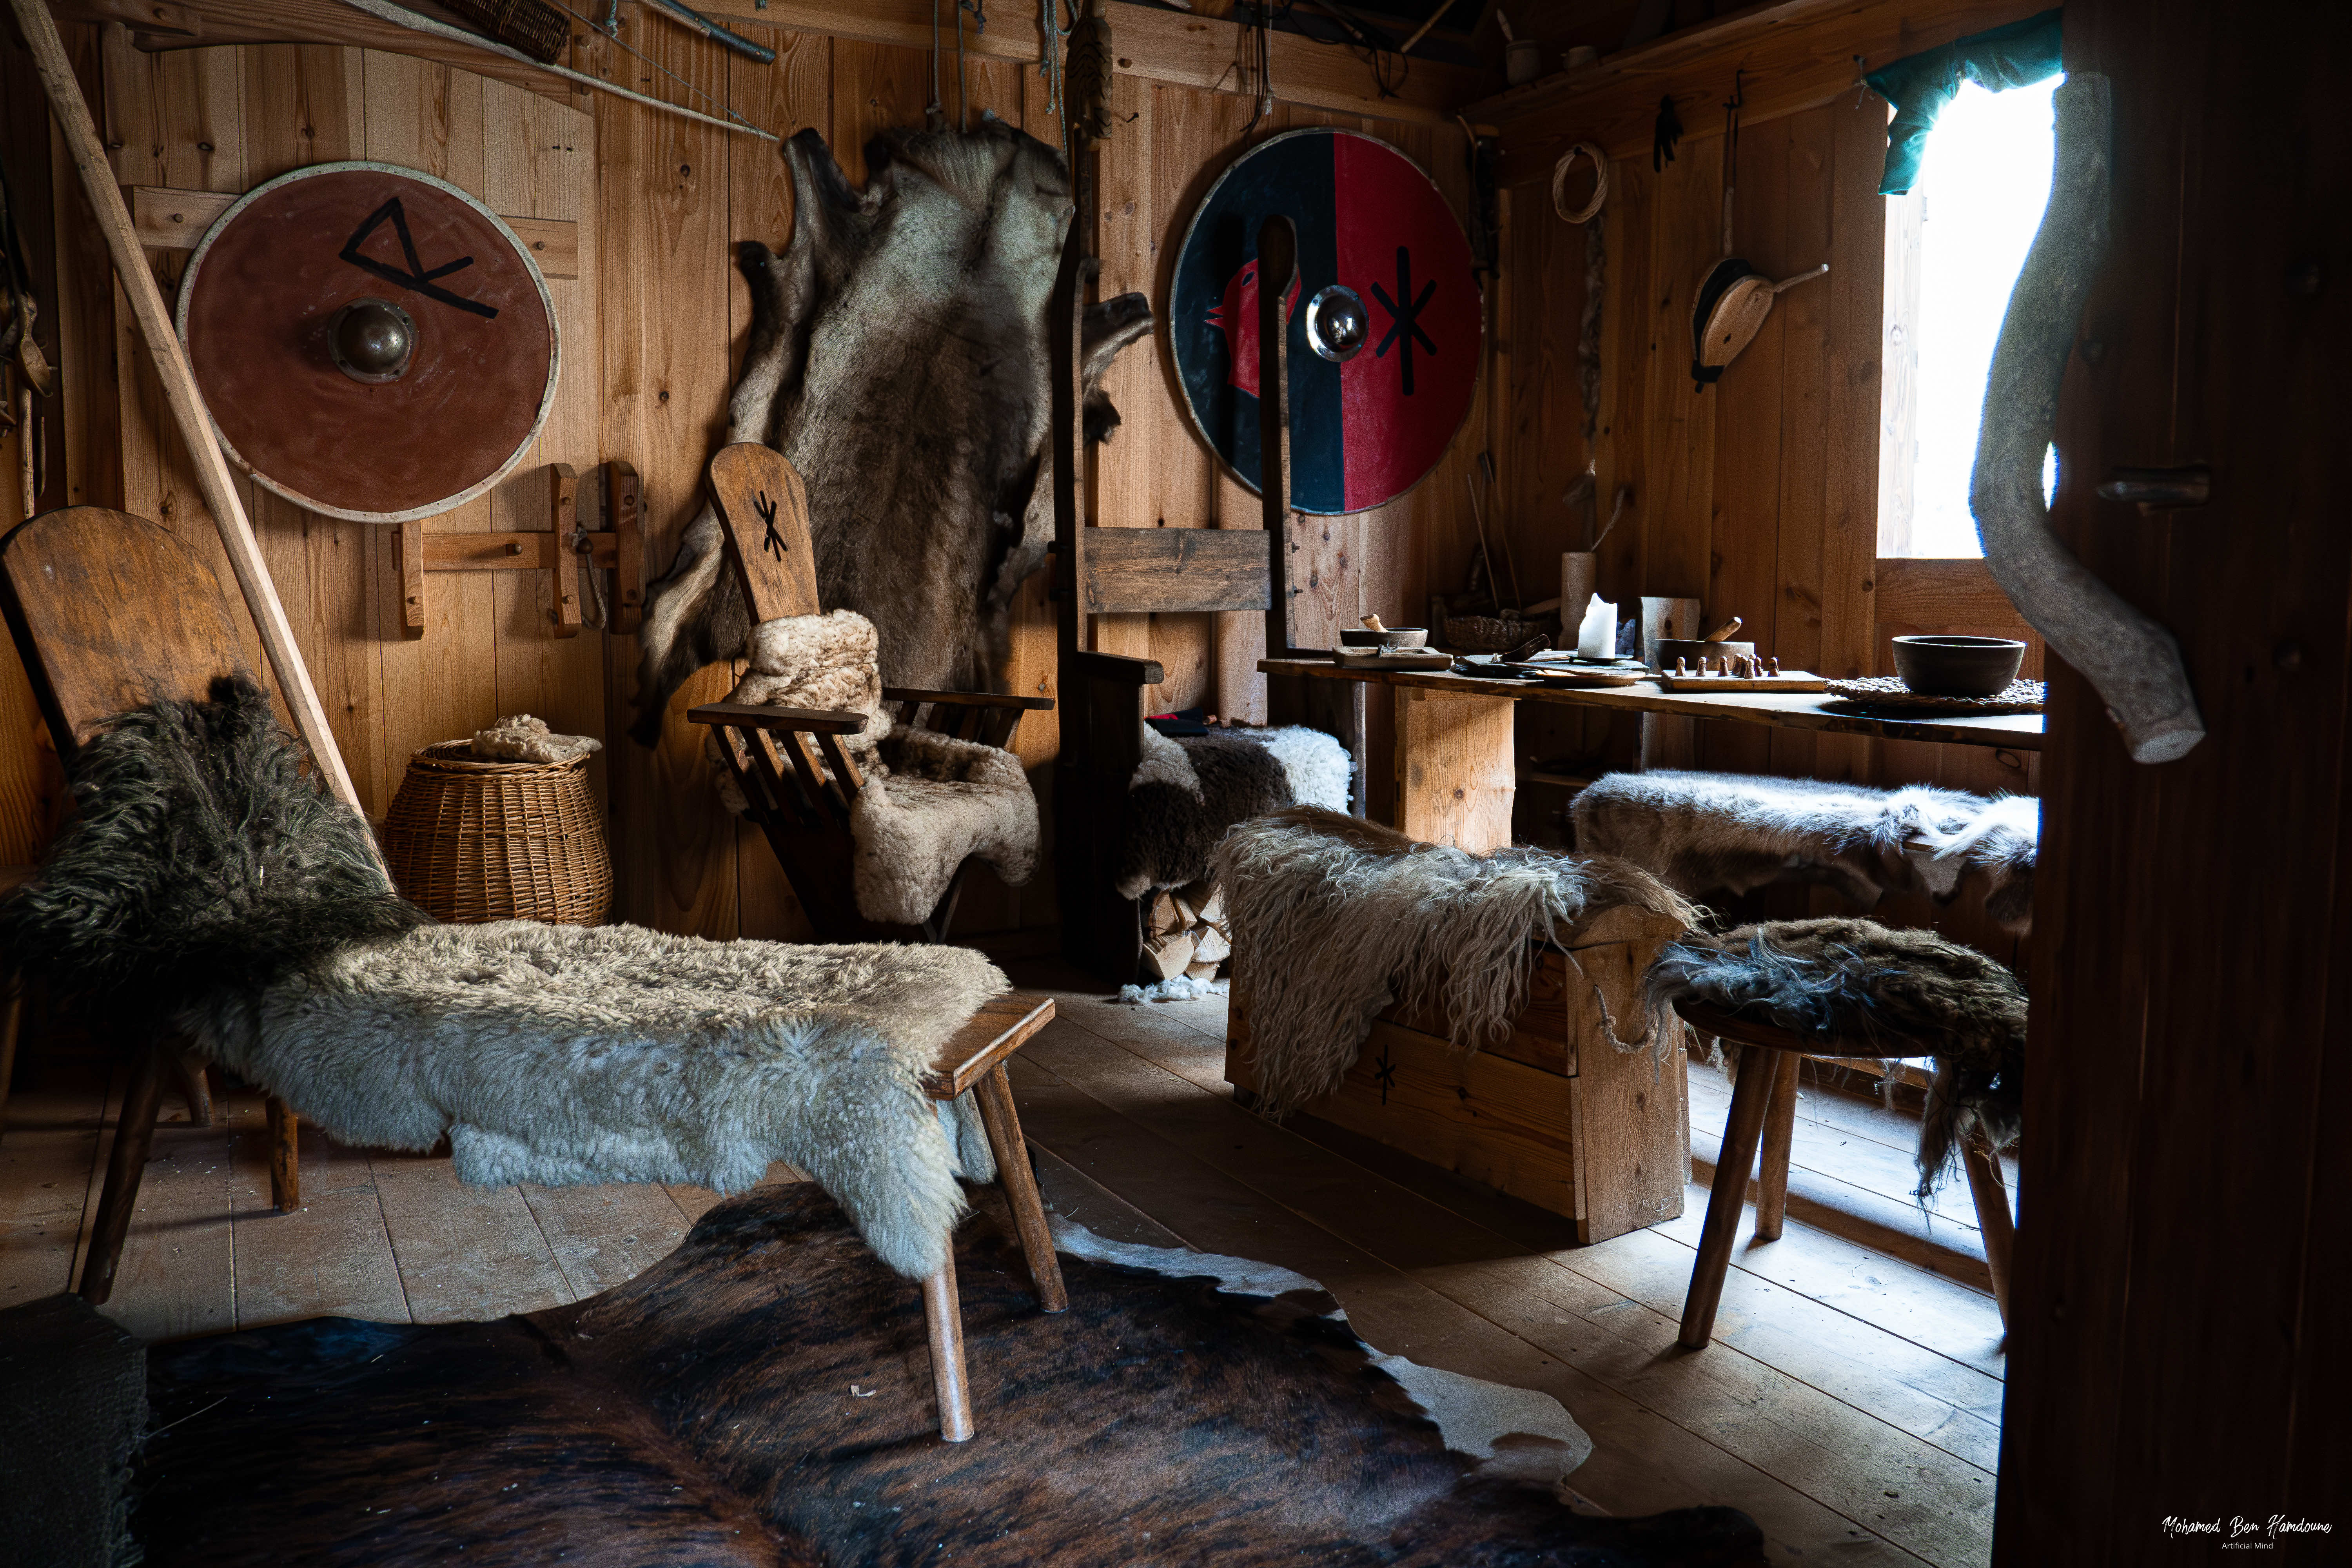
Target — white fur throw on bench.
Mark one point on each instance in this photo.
(564, 1056)
(1703, 832)
(1334, 919)
(930, 801)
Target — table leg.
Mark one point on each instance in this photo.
(1456, 771)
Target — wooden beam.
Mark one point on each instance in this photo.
(1138, 570)
(173, 219)
(1792, 56)
(1161, 46)
(314, 22)
(221, 489)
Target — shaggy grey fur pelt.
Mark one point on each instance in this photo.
(1334, 919)
(899, 359)
(1731, 832)
(1998, 848)
(566, 1055)
(1190, 789)
(203, 856)
(1864, 989)
(930, 801)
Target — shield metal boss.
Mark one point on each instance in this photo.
(372, 344)
(1385, 327)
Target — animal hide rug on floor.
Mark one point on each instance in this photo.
(1862, 988)
(1704, 833)
(930, 802)
(1335, 918)
(1190, 789)
(897, 357)
(763, 1396)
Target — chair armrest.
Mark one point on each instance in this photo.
(967, 699)
(1117, 667)
(757, 716)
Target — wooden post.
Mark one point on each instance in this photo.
(944, 1315)
(1002, 1119)
(213, 477)
(1779, 1140)
(1278, 268)
(1750, 1097)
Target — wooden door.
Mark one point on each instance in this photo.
(2176, 1349)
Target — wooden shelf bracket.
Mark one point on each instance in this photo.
(570, 547)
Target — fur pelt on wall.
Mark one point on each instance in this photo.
(1189, 789)
(1334, 919)
(202, 855)
(570, 1056)
(899, 359)
(1864, 989)
(937, 800)
(1704, 833)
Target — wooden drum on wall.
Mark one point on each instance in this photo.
(470, 841)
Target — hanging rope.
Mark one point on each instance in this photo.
(1586, 212)
(1050, 34)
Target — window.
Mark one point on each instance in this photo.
(1954, 245)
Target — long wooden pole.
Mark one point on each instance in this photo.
(213, 476)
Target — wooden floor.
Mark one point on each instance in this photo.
(1850, 1403)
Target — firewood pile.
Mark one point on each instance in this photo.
(1185, 932)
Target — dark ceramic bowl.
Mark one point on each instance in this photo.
(1957, 666)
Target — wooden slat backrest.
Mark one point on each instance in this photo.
(111, 612)
(1161, 571)
(763, 509)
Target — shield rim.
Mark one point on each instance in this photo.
(1168, 318)
(505, 231)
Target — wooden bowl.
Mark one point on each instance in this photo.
(1958, 665)
(1395, 636)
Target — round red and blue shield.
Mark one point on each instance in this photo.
(1366, 428)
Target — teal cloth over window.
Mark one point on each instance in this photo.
(1920, 85)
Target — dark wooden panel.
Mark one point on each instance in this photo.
(1138, 571)
(2176, 1345)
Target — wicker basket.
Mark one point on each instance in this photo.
(470, 841)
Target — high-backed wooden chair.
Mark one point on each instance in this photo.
(797, 778)
(111, 612)
(1148, 571)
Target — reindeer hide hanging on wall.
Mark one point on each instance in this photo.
(897, 357)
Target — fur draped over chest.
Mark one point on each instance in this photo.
(897, 357)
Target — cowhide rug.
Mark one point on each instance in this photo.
(763, 1397)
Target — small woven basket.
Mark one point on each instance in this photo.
(470, 841)
(539, 29)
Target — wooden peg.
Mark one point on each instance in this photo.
(563, 511)
(411, 545)
(625, 515)
(1775, 667)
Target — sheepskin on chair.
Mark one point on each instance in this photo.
(1704, 832)
(209, 883)
(1337, 919)
(930, 801)
(1864, 989)
(1190, 789)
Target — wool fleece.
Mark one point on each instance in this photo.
(570, 1056)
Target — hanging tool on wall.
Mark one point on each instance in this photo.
(1089, 85)
(1732, 303)
(695, 22)
(26, 374)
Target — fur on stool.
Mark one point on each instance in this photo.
(1335, 918)
(1703, 832)
(1190, 790)
(1864, 989)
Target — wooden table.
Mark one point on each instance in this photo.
(1458, 767)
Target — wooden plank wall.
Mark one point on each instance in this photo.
(1757, 496)
(653, 328)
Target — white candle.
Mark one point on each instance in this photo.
(1597, 637)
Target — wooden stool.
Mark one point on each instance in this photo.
(974, 1058)
(1764, 1104)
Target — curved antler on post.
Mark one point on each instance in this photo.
(2133, 663)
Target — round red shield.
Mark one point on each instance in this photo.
(421, 432)
(1376, 236)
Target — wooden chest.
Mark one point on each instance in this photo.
(1555, 1115)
